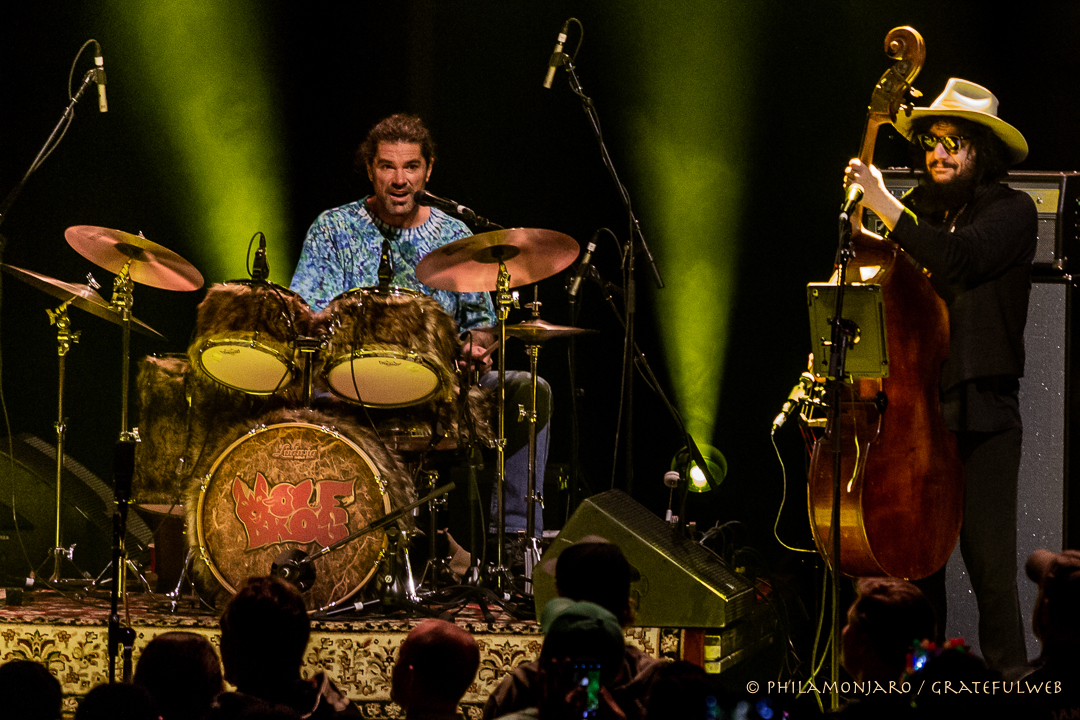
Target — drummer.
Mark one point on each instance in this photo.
(342, 252)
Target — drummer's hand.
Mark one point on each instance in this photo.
(875, 195)
(474, 359)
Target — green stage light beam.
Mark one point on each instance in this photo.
(691, 130)
(211, 106)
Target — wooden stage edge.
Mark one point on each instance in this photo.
(69, 637)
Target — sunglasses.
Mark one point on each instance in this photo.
(952, 143)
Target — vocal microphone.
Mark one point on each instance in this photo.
(798, 393)
(99, 78)
(555, 60)
(260, 269)
(582, 268)
(854, 195)
(423, 197)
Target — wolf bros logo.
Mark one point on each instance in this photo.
(286, 512)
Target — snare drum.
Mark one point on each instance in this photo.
(293, 486)
(389, 348)
(246, 335)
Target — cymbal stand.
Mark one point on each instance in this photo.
(504, 298)
(123, 471)
(65, 338)
(532, 545)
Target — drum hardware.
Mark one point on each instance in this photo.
(535, 332)
(296, 566)
(468, 265)
(436, 567)
(85, 297)
(132, 258)
(308, 347)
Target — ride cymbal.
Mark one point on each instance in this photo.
(151, 264)
(471, 264)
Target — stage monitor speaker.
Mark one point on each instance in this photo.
(682, 585)
(28, 512)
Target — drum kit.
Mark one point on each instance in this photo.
(291, 439)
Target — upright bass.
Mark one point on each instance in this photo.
(901, 489)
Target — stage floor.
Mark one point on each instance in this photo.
(69, 637)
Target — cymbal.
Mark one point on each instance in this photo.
(81, 296)
(536, 331)
(471, 264)
(151, 264)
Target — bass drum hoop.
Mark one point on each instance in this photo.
(206, 553)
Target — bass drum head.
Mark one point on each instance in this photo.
(286, 487)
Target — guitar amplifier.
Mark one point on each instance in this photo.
(1057, 197)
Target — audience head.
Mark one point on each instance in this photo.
(29, 691)
(1056, 618)
(595, 570)
(264, 632)
(582, 652)
(117, 701)
(183, 674)
(435, 666)
(887, 617)
(681, 691)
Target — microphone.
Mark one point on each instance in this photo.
(99, 78)
(798, 393)
(582, 268)
(554, 62)
(450, 207)
(260, 269)
(854, 195)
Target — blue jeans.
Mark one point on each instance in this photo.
(519, 393)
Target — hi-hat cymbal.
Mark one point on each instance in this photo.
(471, 264)
(536, 331)
(151, 264)
(81, 296)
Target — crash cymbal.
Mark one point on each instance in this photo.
(81, 296)
(151, 264)
(537, 331)
(471, 264)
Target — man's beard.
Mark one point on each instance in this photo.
(937, 197)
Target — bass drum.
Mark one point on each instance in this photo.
(292, 486)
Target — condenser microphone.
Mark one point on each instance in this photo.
(555, 60)
(582, 268)
(260, 269)
(99, 78)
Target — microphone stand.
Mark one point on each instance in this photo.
(637, 244)
(843, 333)
(646, 371)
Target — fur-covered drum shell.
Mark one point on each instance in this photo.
(246, 334)
(388, 348)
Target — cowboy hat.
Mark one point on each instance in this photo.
(964, 99)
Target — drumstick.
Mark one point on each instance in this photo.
(493, 348)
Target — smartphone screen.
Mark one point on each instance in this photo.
(587, 676)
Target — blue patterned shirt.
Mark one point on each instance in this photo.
(341, 253)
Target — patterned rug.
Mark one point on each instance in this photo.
(69, 636)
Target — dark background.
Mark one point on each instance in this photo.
(521, 156)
